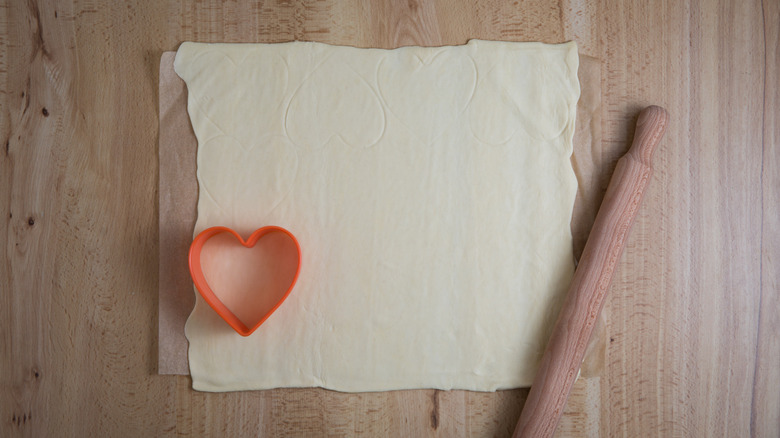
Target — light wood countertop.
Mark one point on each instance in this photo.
(692, 318)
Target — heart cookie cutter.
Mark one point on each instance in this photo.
(205, 289)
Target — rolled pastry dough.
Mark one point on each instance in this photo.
(431, 191)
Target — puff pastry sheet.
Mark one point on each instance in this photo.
(431, 190)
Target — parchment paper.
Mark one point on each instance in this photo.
(178, 193)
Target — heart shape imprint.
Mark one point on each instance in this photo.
(245, 281)
(335, 101)
(423, 93)
(258, 80)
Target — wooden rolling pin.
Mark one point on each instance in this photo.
(566, 349)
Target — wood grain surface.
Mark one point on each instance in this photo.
(692, 316)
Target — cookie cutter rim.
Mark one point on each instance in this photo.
(199, 279)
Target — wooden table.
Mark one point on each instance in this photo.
(692, 318)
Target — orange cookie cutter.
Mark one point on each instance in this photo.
(199, 279)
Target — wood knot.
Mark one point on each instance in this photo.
(21, 419)
(30, 221)
(435, 410)
(45, 112)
